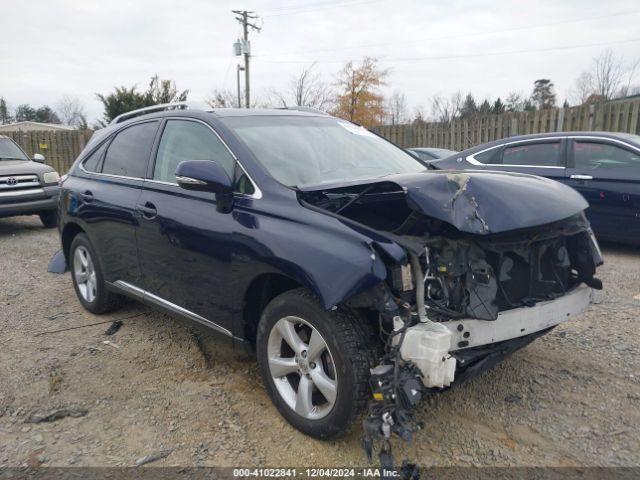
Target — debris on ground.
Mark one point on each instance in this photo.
(58, 414)
(113, 328)
(111, 344)
(153, 457)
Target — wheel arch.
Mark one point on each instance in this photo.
(69, 232)
(263, 288)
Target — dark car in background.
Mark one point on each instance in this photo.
(428, 155)
(327, 249)
(27, 187)
(604, 167)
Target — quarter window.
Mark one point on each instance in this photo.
(92, 162)
(187, 140)
(603, 156)
(490, 156)
(129, 152)
(535, 154)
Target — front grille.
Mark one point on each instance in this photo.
(19, 188)
(12, 183)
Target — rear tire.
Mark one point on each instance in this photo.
(49, 219)
(88, 280)
(320, 386)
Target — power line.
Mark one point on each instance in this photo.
(470, 55)
(305, 9)
(452, 37)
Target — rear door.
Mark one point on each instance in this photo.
(607, 173)
(545, 157)
(106, 196)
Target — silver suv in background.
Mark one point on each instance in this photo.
(27, 187)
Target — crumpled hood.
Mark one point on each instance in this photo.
(491, 202)
(484, 202)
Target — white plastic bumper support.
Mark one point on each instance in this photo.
(519, 321)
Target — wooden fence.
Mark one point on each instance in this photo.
(615, 116)
(60, 149)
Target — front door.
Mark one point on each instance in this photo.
(607, 174)
(185, 245)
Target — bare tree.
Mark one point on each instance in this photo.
(419, 115)
(583, 88)
(306, 90)
(222, 99)
(446, 109)
(607, 74)
(397, 108)
(71, 111)
(628, 88)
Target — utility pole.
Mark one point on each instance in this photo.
(239, 68)
(244, 18)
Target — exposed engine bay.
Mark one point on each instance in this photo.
(480, 278)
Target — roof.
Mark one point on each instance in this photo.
(634, 139)
(29, 125)
(247, 112)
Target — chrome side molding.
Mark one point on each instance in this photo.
(146, 296)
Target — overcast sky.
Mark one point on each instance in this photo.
(52, 48)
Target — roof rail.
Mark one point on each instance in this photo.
(301, 108)
(153, 108)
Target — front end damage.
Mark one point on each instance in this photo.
(492, 262)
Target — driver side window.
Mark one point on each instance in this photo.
(189, 140)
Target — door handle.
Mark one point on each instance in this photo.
(148, 210)
(581, 177)
(87, 197)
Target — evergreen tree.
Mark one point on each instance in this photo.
(543, 96)
(498, 107)
(5, 116)
(484, 108)
(469, 107)
(123, 99)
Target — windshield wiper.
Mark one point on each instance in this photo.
(11, 158)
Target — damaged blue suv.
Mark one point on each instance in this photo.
(356, 274)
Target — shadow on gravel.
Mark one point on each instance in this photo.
(9, 225)
(621, 248)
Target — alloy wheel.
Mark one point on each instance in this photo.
(302, 368)
(84, 274)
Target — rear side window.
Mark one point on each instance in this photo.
(129, 151)
(535, 154)
(187, 140)
(603, 156)
(92, 162)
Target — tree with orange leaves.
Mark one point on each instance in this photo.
(359, 99)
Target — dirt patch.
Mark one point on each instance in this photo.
(167, 391)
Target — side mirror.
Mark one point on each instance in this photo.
(38, 157)
(203, 176)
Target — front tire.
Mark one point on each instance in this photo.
(88, 280)
(49, 219)
(315, 363)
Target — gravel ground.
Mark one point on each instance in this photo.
(572, 398)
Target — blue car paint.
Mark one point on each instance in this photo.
(206, 261)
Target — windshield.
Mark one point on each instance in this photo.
(10, 151)
(301, 151)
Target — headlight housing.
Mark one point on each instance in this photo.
(50, 177)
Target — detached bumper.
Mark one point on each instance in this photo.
(519, 322)
(29, 201)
